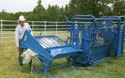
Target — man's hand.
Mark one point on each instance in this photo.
(18, 48)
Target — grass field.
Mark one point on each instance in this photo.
(9, 67)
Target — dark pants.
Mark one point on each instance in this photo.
(20, 58)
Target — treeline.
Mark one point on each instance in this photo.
(97, 8)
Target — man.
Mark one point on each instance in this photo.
(19, 32)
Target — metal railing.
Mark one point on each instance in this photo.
(7, 29)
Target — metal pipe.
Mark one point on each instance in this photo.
(45, 27)
(1, 32)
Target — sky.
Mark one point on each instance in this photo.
(13, 6)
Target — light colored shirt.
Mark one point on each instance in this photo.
(19, 32)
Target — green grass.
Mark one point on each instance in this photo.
(9, 67)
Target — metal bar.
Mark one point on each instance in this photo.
(56, 28)
(37, 25)
(101, 60)
(8, 37)
(48, 44)
(54, 42)
(50, 39)
(46, 40)
(9, 25)
(35, 29)
(84, 18)
(81, 22)
(8, 29)
(57, 67)
(108, 19)
(46, 32)
(32, 25)
(8, 33)
(61, 43)
(7, 41)
(63, 28)
(44, 43)
(54, 25)
(1, 32)
(51, 28)
(57, 41)
(9, 20)
(45, 27)
(55, 22)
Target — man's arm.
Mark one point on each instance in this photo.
(17, 38)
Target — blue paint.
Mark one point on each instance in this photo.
(92, 42)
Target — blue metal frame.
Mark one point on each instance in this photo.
(95, 50)
(91, 42)
(47, 55)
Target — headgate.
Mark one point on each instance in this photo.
(90, 42)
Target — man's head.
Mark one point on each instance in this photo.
(22, 20)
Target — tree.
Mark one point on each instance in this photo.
(7, 16)
(96, 8)
(91, 7)
(66, 10)
(61, 16)
(52, 13)
(119, 7)
(3, 14)
(39, 11)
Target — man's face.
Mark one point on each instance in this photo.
(22, 23)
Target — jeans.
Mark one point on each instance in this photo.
(20, 58)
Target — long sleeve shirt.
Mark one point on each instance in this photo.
(19, 32)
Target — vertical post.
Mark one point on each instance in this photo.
(32, 25)
(1, 32)
(45, 27)
(56, 28)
